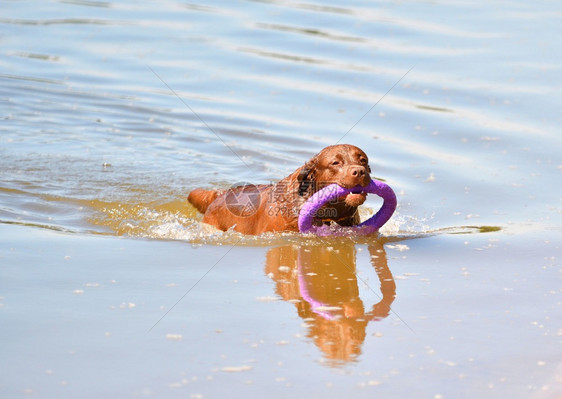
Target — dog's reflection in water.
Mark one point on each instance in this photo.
(322, 283)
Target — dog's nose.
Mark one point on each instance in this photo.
(357, 171)
(357, 174)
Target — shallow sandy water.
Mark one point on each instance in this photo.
(111, 112)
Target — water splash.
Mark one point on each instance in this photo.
(177, 220)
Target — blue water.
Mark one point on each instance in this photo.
(111, 112)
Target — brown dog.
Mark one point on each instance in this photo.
(255, 209)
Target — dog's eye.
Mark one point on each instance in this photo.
(363, 161)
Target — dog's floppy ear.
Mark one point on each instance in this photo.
(306, 178)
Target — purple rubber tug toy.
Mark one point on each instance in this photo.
(333, 191)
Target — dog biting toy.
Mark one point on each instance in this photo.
(334, 191)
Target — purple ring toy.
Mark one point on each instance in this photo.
(333, 191)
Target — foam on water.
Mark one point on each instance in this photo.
(178, 220)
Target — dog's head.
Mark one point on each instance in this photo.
(343, 164)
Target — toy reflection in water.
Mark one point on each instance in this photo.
(322, 283)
